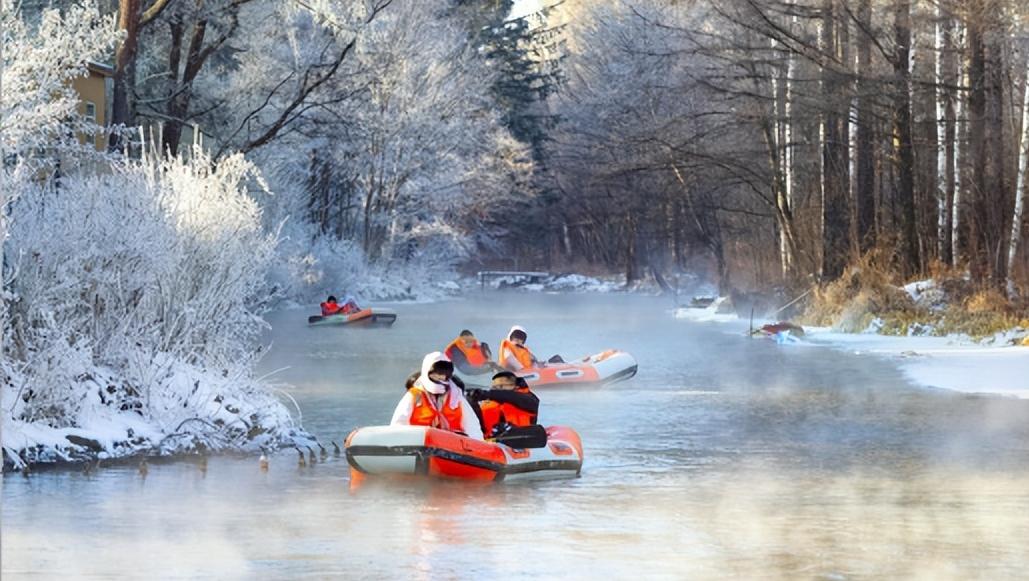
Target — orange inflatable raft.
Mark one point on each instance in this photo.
(378, 317)
(424, 451)
(607, 367)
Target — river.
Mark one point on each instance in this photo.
(724, 457)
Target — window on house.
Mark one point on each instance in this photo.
(91, 111)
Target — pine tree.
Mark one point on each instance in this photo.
(520, 53)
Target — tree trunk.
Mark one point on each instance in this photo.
(960, 151)
(904, 150)
(1017, 224)
(778, 132)
(996, 201)
(129, 15)
(835, 183)
(864, 196)
(182, 92)
(949, 139)
(172, 134)
(941, 141)
(977, 148)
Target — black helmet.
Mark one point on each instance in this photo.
(442, 366)
(332, 298)
(506, 374)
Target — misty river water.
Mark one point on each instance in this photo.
(724, 457)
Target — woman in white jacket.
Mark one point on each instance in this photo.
(435, 400)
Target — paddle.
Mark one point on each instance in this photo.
(524, 437)
(314, 319)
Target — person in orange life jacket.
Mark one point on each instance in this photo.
(508, 404)
(436, 401)
(332, 307)
(469, 355)
(411, 379)
(514, 355)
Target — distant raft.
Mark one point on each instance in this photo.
(607, 367)
(782, 332)
(364, 317)
(782, 326)
(428, 452)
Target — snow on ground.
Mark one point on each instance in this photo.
(567, 282)
(181, 410)
(955, 363)
(580, 283)
(927, 293)
(713, 313)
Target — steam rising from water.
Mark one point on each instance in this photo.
(725, 457)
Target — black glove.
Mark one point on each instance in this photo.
(476, 393)
(499, 429)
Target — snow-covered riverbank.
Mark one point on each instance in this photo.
(955, 363)
(183, 410)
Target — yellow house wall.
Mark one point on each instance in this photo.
(93, 88)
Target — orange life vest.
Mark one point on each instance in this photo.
(330, 309)
(425, 413)
(514, 415)
(473, 356)
(520, 352)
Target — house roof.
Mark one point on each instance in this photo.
(100, 68)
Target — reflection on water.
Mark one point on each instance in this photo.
(724, 457)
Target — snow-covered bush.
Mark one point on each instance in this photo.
(38, 106)
(156, 254)
(133, 310)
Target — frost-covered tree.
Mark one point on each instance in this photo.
(37, 102)
(400, 152)
(129, 292)
(121, 304)
(190, 38)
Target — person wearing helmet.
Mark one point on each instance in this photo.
(469, 355)
(435, 400)
(508, 404)
(514, 355)
(332, 307)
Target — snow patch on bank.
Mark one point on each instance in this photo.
(567, 282)
(715, 312)
(955, 363)
(102, 414)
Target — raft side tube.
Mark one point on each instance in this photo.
(607, 367)
(383, 450)
(369, 316)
